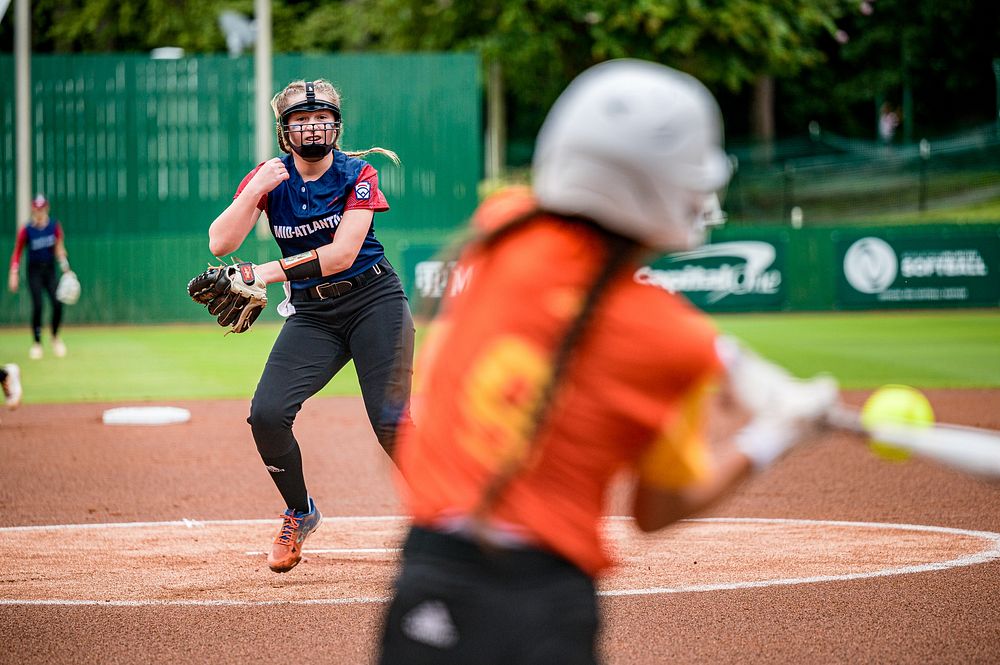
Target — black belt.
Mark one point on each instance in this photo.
(344, 286)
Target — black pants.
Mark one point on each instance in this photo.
(455, 603)
(42, 277)
(371, 325)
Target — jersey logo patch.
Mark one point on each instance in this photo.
(363, 191)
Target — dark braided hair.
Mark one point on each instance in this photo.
(619, 250)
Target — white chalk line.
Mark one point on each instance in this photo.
(195, 603)
(190, 523)
(991, 553)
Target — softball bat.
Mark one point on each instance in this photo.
(969, 449)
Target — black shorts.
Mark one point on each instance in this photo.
(455, 602)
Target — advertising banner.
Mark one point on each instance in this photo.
(737, 275)
(730, 276)
(426, 275)
(884, 271)
(822, 269)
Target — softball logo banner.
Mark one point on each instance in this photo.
(737, 275)
(428, 277)
(870, 265)
(918, 271)
(433, 278)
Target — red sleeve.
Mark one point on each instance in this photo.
(366, 195)
(262, 203)
(59, 232)
(15, 258)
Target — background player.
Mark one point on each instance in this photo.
(43, 236)
(554, 369)
(344, 302)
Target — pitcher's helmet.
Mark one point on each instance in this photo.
(311, 152)
(636, 147)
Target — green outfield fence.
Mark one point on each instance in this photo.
(139, 155)
(825, 268)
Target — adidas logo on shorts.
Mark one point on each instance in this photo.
(430, 623)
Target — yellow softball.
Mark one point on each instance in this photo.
(895, 404)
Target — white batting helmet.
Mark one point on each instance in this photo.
(635, 146)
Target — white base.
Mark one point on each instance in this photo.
(146, 415)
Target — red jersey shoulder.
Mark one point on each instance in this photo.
(366, 194)
(262, 202)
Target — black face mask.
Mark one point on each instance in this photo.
(314, 151)
(311, 152)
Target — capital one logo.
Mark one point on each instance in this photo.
(870, 265)
(749, 270)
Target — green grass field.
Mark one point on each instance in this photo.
(122, 363)
(983, 212)
(937, 349)
(863, 350)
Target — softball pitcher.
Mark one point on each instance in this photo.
(344, 300)
(554, 369)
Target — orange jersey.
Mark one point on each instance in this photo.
(629, 398)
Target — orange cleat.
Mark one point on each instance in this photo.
(286, 552)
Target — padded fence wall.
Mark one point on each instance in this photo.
(824, 268)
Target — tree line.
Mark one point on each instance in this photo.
(775, 65)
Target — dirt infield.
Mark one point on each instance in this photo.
(126, 544)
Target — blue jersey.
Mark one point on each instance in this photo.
(305, 215)
(40, 241)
